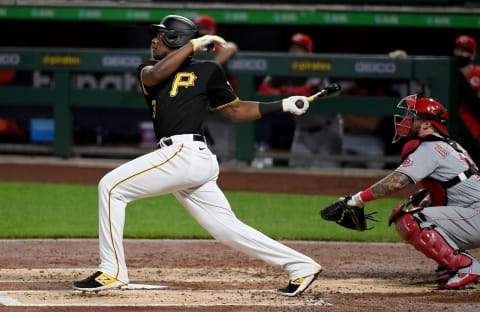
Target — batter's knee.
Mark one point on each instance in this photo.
(106, 182)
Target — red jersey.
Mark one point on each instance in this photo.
(469, 119)
(473, 78)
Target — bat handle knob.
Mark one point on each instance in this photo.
(299, 103)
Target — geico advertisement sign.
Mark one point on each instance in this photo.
(101, 81)
(107, 61)
(252, 64)
(9, 59)
(375, 67)
(128, 61)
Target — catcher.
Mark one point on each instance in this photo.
(443, 219)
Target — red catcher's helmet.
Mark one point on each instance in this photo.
(303, 40)
(206, 22)
(416, 106)
(466, 42)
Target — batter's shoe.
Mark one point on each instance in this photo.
(459, 281)
(98, 281)
(298, 286)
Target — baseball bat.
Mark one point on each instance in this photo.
(332, 89)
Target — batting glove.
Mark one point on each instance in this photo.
(295, 105)
(206, 43)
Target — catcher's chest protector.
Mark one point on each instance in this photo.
(438, 194)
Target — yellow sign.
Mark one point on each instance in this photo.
(303, 66)
(61, 60)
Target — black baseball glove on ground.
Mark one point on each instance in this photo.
(348, 216)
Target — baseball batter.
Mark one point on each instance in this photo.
(445, 220)
(179, 92)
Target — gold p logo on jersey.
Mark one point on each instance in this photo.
(182, 80)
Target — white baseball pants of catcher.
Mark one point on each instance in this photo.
(189, 170)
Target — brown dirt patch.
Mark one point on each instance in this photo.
(204, 275)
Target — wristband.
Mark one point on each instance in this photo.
(270, 107)
(367, 195)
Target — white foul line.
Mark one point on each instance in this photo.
(6, 300)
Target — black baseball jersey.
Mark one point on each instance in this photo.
(180, 104)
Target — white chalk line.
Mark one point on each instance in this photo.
(7, 300)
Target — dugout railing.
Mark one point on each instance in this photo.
(439, 73)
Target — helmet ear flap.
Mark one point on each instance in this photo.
(171, 38)
(177, 30)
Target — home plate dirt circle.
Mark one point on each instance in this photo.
(162, 295)
(203, 275)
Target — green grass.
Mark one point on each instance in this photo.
(37, 210)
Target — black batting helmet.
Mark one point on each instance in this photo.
(178, 30)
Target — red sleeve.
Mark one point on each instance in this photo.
(305, 90)
(409, 148)
(266, 88)
(438, 194)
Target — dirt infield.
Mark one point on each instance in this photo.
(203, 275)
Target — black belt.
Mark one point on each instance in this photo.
(169, 141)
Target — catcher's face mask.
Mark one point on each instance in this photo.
(404, 122)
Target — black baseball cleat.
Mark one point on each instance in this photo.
(98, 281)
(298, 286)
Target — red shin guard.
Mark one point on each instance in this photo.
(430, 243)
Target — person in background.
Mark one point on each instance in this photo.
(317, 134)
(465, 51)
(220, 132)
(208, 26)
(364, 134)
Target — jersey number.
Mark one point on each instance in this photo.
(182, 80)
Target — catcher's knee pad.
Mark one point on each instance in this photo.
(430, 243)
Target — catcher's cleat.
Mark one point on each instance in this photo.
(298, 286)
(98, 281)
(459, 281)
(441, 271)
(443, 275)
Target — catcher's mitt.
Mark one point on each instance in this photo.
(346, 215)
